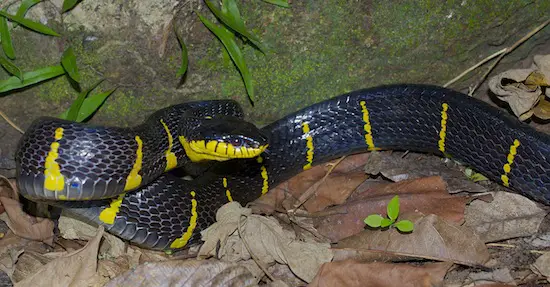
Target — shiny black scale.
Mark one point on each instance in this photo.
(402, 117)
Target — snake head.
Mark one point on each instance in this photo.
(222, 138)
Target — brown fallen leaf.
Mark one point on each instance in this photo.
(186, 273)
(352, 273)
(542, 265)
(426, 195)
(335, 189)
(266, 240)
(432, 238)
(508, 215)
(73, 269)
(398, 166)
(26, 226)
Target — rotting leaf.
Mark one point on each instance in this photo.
(189, 272)
(353, 273)
(228, 41)
(508, 215)
(265, 238)
(74, 269)
(26, 226)
(68, 61)
(542, 109)
(31, 78)
(427, 195)
(433, 238)
(35, 26)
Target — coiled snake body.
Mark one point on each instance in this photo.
(165, 212)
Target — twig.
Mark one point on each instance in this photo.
(501, 245)
(474, 67)
(507, 51)
(312, 189)
(10, 122)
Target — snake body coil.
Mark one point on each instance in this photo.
(169, 213)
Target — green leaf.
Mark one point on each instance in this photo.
(74, 109)
(35, 26)
(393, 208)
(68, 61)
(5, 36)
(230, 16)
(228, 41)
(24, 7)
(69, 4)
(386, 222)
(373, 220)
(31, 78)
(282, 3)
(404, 225)
(11, 68)
(90, 105)
(184, 59)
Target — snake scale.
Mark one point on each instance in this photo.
(60, 160)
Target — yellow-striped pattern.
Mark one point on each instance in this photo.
(108, 214)
(182, 241)
(171, 159)
(510, 160)
(53, 179)
(368, 128)
(134, 178)
(309, 145)
(265, 176)
(443, 130)
(227, 192)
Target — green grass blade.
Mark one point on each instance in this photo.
(282, 3)
(24, 8)
(228, 41)
(230, 16)
(68, 61)
(35, 26)
(31, 78)
(5, 36)
(69, 4)
(11, 68)
(184, 59)
(90, 105)
(75, 107)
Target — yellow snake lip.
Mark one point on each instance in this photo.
(220, 151)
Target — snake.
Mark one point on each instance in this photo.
(121, 178)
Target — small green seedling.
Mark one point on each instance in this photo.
(376, 220)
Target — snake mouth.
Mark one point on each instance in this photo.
(200, 150)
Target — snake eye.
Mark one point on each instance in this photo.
(236, 142)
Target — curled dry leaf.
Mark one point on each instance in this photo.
(186, 273)
(353, 273)
(397, 167)
(74, 269)
(509, 215)
(266, 239)
(432, 238)
(27, 226)
(426, 195)
(521, 94)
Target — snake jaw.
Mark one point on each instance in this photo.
(200, 150)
